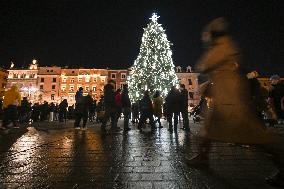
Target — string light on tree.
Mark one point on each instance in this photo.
(153, 69)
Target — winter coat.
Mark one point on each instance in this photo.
(172, 101)
(145, 104)
(231, 119)
(183, 100)
(109, 96)
(125, 100)
(158, 106)
(12, 97)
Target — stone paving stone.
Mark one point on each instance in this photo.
(55, 156)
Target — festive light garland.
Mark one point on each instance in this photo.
(153, 69)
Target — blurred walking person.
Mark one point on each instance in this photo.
(231, 118)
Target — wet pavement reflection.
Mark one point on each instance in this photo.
(68, 158)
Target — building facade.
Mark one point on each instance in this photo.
(48, 84)
(25, 80)
(53, 84)
(119, 76)
(189, 78)
(91, 80)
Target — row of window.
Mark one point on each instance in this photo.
(72, 88)
(52, 87)
(87, 80)
(42, 80)
(24, 75)
(122, 76)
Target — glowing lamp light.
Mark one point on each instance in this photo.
(34, 61)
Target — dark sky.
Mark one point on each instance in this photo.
(105, 33)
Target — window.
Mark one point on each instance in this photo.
(52, 97)
(94, 88)
(87, 79)
(190, 95)
(41, 79)
(72, 80)
(113, 75)
(123, 76)
(47, 71)
(71, 88)
(78, 86)
(41, 87)
(64, 80)
(95, 79)
(51, 70)
(189, 82)
(53, 80)
(79, 79)
(73, 71)
(87, 88)
(53, 86)
(122, 86)
(63, 88)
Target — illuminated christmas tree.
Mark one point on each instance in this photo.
(153, 69)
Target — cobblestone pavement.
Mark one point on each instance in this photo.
(50, 155)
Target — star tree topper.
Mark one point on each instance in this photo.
(154, 17)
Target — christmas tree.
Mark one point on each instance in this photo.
(153, 69)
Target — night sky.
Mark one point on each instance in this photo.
(101, 34)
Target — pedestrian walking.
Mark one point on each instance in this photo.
(126, 107)
(231, 118)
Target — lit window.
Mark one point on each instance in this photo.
(63, 88)
(87, 88)
(123, 76)
(52, 97)
(72, 80)
(189, 82)
(94, 88)
(87, 79)
(64, 80)
(71, 88)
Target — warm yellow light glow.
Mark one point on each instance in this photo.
(34, 61)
